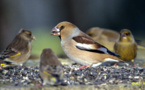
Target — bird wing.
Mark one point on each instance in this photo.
(54, 70)
(88, 44)
(7, 64)
(9, 53)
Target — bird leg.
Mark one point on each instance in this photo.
(134, 65)
(84, 67)
(116, 64)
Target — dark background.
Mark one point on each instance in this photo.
(37, 14)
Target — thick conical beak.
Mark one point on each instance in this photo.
(55, 31)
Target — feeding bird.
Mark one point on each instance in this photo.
(80, 47)
(51, 69)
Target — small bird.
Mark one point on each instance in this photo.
(80, 47)
(19, 50)
(50, 69)
(105, 37)
(126, 46)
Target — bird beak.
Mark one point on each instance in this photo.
(123, 36)
(33, 38)
(55, 31)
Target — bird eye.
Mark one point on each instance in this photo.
(90, 34)
(127, 34)
(28, 33)
(62, 27)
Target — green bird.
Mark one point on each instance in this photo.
(19, 50)
(50, 69)
(126, 46)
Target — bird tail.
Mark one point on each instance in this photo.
(3, 57)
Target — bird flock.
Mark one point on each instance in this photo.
(91, 49)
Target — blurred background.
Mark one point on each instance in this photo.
(40, 16)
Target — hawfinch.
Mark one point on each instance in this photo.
(81, 48)
(126, 46)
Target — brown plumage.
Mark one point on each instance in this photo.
(87, 40)
(106, 37)
(81, 48)
(51, 70)
(126, 46)
(19, 50)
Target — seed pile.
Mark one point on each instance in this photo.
(20, 76)
(103, 75)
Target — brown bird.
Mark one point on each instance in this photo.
(19, 50)
(106, 37)
(51, 70)
(81, 48)
(126, 46)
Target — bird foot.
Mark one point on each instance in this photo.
(84, 67)
(134, 65)
(115, 65)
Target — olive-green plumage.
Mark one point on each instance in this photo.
(50, 69)
(19, 50)
(126, 46)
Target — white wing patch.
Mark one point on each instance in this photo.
(90, 47)
(84, 46)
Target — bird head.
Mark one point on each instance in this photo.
(126, 36)
(26, 34)
(47, 51)
(94, 32)
(48, 57)
(65, 30)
